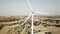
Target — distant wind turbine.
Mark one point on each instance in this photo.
(32, 14)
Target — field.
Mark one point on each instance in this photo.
(41, 25)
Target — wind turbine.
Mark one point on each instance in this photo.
(32, 15)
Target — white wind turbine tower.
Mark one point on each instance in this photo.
(32, 15)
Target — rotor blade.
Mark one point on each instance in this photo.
(44, 13)
(27, 19)
(29, 5)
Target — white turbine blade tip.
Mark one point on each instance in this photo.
(44, 13)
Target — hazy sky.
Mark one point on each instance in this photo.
(20, 7)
